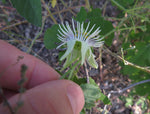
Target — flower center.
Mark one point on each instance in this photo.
(77, 45)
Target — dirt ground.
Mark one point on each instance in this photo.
(108, 77)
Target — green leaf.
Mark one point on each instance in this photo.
(50, 37)
(102, 97)
(71, 58)
(91, 94)
(53, 2)
(139, 56)
(70, 46)
(90, 57)
(129, 101)
(79, 81)
(82, 15)
(29, 9)
(106, 26)
(83, 81)
(3, 1)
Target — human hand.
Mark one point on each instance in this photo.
(45, 94)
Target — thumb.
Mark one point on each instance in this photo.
(55, 97)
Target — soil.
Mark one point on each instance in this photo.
(108, 77)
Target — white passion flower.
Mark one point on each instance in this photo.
(86, 38)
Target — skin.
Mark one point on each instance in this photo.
(45, 93)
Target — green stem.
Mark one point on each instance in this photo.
(126, 62)
(118, 5)
(73, 68)
(130, 28)
(32, 43)
(119, 25)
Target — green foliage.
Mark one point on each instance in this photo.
(82, 15)
(95, 17)
(92, 92)
(140, 55)
(124, 3)
(133, 26)
(4, 1)
(29, 9)
(138, 101)
(50, 37)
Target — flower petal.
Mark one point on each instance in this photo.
(84, 48)
(90, 57)
(70, 46)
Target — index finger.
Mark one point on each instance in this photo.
(37, 73)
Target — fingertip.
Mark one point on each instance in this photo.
(54, 97)
(75, 96)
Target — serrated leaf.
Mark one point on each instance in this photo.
(106, 26)
(50, 37)
(91, 94)
(29, 9)
(82, 15)
(142, 57)
(102, 97)
(82, 81)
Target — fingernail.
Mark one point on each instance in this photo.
(72, 93)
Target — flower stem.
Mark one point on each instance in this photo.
(126, 62)
(118, 5)
(86, 71)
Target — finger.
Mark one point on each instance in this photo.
(38, 72)
(55, 97)
(7, 93)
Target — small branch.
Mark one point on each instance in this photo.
(6, 101)
(118, 5)
(104, 7)
(100, 64)
(59, 13)
(13, 25)
(86, 71)
(67, 7)
(73, 69)
(126, 62)
(130, 86)
(50, 14)
(33, 41)
(21, 83)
